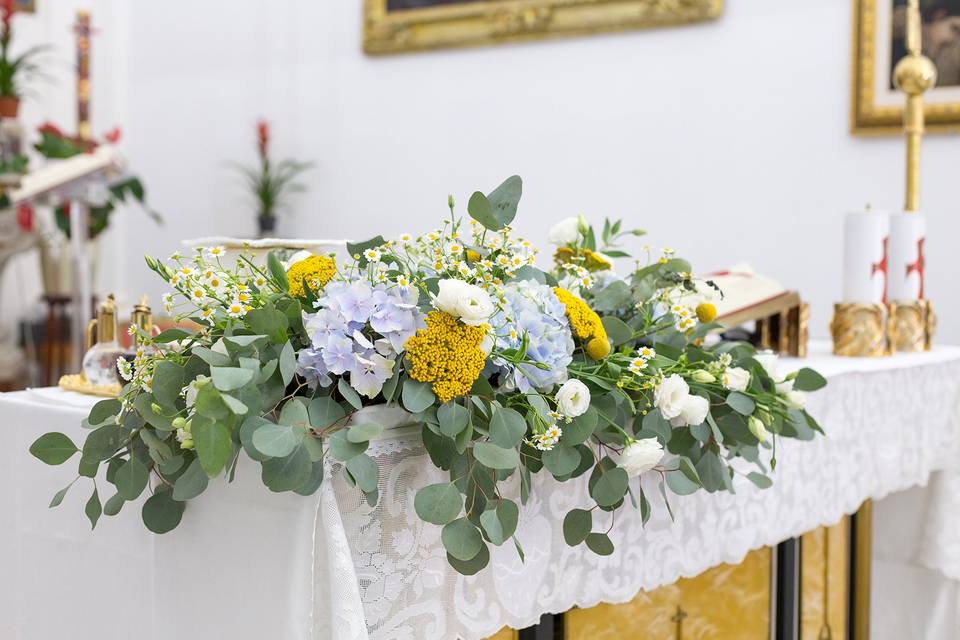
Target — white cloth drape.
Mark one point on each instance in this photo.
(246, 563)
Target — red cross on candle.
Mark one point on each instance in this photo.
(882, 267)
(918, 266)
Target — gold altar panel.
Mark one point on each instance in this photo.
(729, 601)
(506, 634)
(825, 582)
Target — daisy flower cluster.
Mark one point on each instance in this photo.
(206, 290)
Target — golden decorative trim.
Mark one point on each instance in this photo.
(866, 116)
(908, 325)
(79, 383)
(497, 21)
(859, 330)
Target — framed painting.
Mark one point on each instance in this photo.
(392, 26)
(25, 6)
(878, 44)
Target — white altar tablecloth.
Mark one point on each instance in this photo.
(240, 564)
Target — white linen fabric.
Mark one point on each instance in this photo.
(246, 563)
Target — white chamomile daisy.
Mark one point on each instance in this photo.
(646, 353)
(236, 309)
(372, 255)
(405, 238)
(207, 314)
(215, 253)
(126, 371)
(637, 365)
(198, 294)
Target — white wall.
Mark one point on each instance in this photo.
(727, 141)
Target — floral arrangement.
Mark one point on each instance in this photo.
(101, 201)
(510, 371)
(271, 183)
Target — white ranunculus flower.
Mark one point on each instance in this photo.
(796, 399)
(463, 300)
(573, 398)
(736, 379)
(567, 231)
(757, 428)
(670, 396)
(694, 412)
(640, 455)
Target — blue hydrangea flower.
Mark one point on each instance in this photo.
(533, 309)
(357, 332)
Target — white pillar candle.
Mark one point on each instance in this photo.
(865, 256)
(906, 270)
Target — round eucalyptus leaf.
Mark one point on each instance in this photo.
(161, 513)
(490, 455)
(600, 544)
(500, 523)
(192, 483)
(560, 460)
(473, 565)
(576, 526)
(610, 487)
(438, 503)
(365, 472)
(131, 479)
(417, 396)
(453, 418)
(461, 539)
(507, 428)
(277, 440)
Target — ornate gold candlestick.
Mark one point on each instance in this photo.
(904, 325)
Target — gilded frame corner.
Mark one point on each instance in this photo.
(489, 22)
(866, 116)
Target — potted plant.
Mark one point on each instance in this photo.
(13, 68)
(271, 184)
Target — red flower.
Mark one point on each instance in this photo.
(112, 136)
(49, 127)
(25, 217)
(263, 137)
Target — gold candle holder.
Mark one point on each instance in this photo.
(911, 325)
(859, 330)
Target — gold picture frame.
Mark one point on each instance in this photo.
(484, 22)
(875, 108)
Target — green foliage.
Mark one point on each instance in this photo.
(53, 448)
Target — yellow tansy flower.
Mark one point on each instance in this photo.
(585, 323)
(706, 312)
(316, 270)
(447, 354)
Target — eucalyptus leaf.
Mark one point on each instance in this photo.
(230, 378)
(277, 440)
(600, 544)
(417, 396)
(324, 412)
(131, 479)
(212, 442)
(500, 523)
(576, 526)
(93, 509)
(507, 428)
(192, 483)
(161, 513)
(495, 457)
(54, 448)
(438, 503)
(461, 539)
(365, 471)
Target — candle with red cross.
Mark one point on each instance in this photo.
(907, 263)
(865, 257)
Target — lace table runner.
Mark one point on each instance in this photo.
(380, 572)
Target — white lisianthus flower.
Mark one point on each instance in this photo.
(736, 379)
(463, 300)
(771, 364)
(573, 398)
(757, 428)
(796, 399)
(567, 231)
(640, 455)
(785, 387)
(670, 396)
(694, 412)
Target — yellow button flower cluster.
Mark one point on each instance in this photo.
(316, 270)
(591, 260)
(586, 324)
(447, 354)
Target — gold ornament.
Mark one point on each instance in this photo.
(858, 330)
